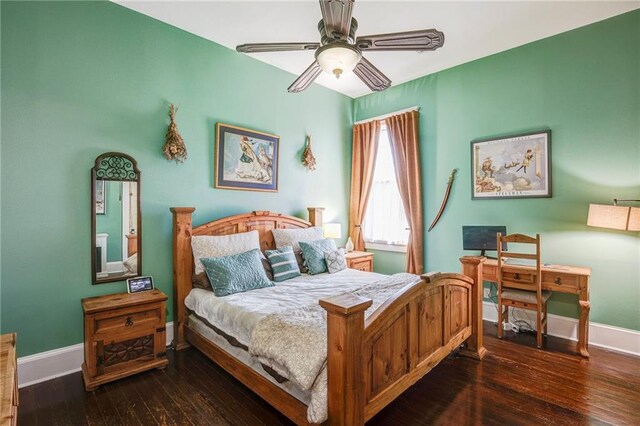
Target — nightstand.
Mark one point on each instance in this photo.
(8, 380)
(360, 260)
(124, 334)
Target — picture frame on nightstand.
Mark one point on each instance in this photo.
(139, 284)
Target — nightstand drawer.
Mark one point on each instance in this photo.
(362, 265)
(127, 319)
(360, 260)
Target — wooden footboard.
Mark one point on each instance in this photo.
(371, 363)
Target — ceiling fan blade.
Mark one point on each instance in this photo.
(275, 47)
(409, 40)
(371, 76)
(306, 78)
(336, 15)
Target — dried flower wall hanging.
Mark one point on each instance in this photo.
(308, 160)
(174, 147)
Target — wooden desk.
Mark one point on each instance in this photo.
(557, 278)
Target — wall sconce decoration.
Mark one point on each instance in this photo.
(174, 147)
(308, 160)
(623, 218)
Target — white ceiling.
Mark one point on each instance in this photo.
(473, 29)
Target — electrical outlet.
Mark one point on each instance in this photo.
(486, 293)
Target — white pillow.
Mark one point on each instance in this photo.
(131, 264)
(222, 245)
(291, 237)
(336, 261)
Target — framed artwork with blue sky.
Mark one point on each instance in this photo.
(246, 159)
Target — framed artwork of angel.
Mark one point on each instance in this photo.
(246, 159)
(514, 166)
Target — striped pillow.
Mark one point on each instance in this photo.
(284, 264)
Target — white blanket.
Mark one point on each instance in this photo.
(294, 341)
(237, 314)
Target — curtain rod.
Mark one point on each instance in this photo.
(381, 117)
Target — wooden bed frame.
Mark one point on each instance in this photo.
(369, 363)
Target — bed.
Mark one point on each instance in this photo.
(373, 353)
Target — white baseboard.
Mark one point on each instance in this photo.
(48, 365)
(601, 335)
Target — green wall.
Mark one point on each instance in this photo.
(585, 86)
(111, 221)
(80, 79)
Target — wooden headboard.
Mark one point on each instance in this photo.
(262, 221)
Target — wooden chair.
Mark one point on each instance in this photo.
(521, 289)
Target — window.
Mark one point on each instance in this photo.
(385, 224)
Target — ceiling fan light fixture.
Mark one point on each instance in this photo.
(337, 58)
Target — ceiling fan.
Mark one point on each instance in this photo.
(340, 50)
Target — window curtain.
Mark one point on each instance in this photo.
(363, 160)
(403, 136)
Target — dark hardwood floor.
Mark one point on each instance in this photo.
(515, 384)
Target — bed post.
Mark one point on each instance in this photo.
(182, 267)
(472, 267)
(315, 215)
(345, 368)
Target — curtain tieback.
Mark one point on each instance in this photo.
(357, 226)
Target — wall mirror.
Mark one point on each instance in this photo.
(116, 220)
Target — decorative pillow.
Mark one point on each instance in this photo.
(284, 263)
(313, 252)
(131, 264)
(222, 245)
(336, 261)
(292, 237)
(266, 265)
(236, 273)
(201, 281)
(303, 268)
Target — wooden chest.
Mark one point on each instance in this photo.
(8, 380)
(124, 334)
(360, 260)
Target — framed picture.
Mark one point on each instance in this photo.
(246, 159)
(515, 166)
(138, 284)
(100, 197)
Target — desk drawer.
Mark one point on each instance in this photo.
(120, 320)
(518, 277)
(558, 281)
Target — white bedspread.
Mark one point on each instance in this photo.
(237, 314)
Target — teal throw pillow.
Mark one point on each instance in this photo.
(236, 273)
(283, 263)
(313, 252)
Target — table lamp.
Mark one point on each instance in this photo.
(332, 230)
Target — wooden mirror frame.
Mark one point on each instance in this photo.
(120, 167)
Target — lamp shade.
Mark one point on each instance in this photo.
(606, 216)
(332, 230)
(634, 219)
(337, 58)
